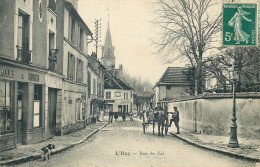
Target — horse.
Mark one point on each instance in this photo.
(160, 117)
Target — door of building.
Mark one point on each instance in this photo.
(21, 98)
(119, 110)
(124, 108)
(52, 100)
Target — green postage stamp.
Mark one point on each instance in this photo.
(239, 25)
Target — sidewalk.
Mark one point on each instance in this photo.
(249, 149)
(25, 153)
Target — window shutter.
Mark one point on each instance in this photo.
(74, 69)
(68, 66)
(20, 31)
(70, 28)
(82, 72)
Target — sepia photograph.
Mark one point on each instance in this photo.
(133, 83)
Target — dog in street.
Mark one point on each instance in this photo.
(46, 151)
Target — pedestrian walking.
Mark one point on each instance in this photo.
(98, 114)
(131, 114)
(115, 115)
(110, 115)
(123, 116)
(101, 116)
(175, 119)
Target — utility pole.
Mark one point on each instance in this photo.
(97, 33)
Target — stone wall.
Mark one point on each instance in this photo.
(212, 113)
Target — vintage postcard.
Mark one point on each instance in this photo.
(134, 83)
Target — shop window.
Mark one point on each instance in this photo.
(20, 108)
(37, 105)
(108, 95)
(5, 111)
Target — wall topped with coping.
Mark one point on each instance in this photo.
(212, 113)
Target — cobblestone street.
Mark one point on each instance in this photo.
(123, 143)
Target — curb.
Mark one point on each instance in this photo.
(231, 154)
(24, 159)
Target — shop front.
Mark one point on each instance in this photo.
(21, 105)
(122, 107)
(53, 103)
(74, 114)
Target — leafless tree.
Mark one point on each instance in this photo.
(247, 60)
(217, 66)
(188, 30)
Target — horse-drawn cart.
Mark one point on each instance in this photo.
(152, 117)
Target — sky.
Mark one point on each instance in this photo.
(131, 31)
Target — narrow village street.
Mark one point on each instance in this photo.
(123, 143)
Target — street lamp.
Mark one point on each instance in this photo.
(234, 76)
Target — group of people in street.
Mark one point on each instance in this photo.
(171, 116)
(114, 115)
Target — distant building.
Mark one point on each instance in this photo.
(96, 73)
(173, 84)
(142, 102)
(118, 93)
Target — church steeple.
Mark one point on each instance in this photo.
(108, 40)
(108, 57)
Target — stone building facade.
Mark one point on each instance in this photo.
(43, 77)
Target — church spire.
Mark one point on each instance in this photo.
(108, 57)
(108, 40)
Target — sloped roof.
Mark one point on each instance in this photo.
(174, 76)
(123, 84)
(117, 83)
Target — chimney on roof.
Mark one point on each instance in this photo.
(119, 72)
(94, 55)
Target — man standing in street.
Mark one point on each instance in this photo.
(175, 119)
(110, 115)
(158, 107)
